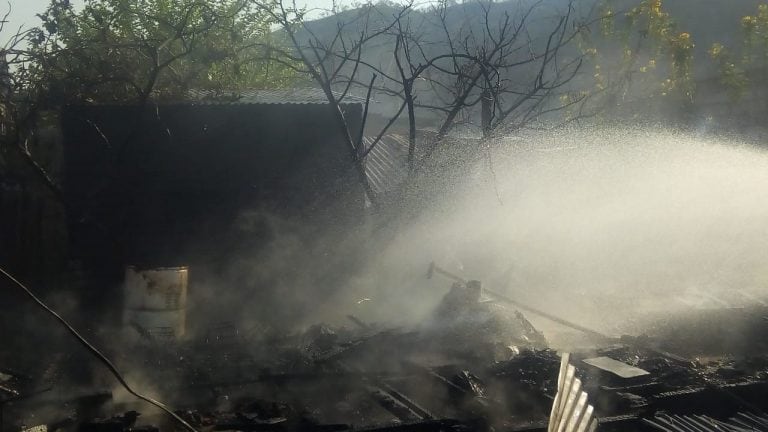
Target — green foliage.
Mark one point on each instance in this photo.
(656, 57)
(742, 70)
(680, 50)
(126, 50)
(731, 75)
(755, 28)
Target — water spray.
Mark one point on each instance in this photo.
(434, 268)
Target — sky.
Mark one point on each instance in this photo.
(23, 13)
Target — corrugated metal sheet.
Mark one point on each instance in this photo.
(268, 96)
(571, 411)
(387, 164)
(701, 423)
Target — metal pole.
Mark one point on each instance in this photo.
(434, 268)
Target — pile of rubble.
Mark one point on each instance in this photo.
(476, 365)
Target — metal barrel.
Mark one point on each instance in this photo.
(155, 301)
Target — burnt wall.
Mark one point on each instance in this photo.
(163, 185)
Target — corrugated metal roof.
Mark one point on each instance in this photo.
(702, 423)
(268, 96)
(387, 164)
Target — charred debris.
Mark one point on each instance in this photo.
(476, 364)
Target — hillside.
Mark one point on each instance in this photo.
(708, 21)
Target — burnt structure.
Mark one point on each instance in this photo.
(372, 378)
(162, 185)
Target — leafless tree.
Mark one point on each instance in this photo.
(327, 60)
(513, 75)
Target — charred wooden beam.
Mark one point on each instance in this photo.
(399, 409)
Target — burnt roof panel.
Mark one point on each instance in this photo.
(268, 96)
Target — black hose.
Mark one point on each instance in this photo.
(98, 354)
